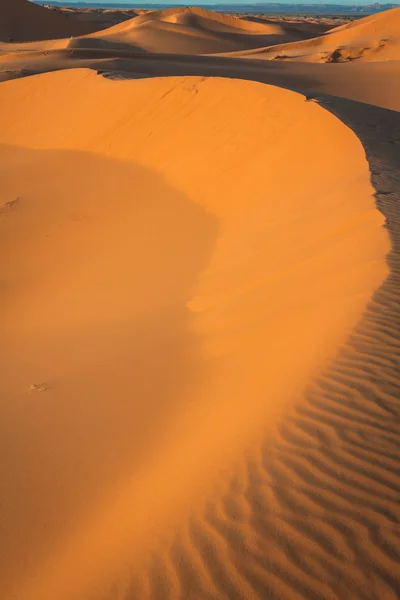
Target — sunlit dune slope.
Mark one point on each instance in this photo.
(186, 31)
(174, 268)
(373, 38)
(21, 20)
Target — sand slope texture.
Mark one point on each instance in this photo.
(199, 325)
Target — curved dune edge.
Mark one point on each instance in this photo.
(162, 249)
(313, 512)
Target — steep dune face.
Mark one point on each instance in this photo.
(374, 38)
(21, 21)
(185, 31)
(174, 270)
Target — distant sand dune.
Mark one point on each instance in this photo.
(186, 31)
(177, 30)
(373, 38)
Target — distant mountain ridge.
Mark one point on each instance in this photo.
(261, 7)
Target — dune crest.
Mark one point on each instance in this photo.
(194, 15)
(174, 275)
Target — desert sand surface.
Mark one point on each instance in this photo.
(200, 333)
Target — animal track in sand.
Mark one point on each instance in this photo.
(38, 387)
(11, 204)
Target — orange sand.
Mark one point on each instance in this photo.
(199, 325)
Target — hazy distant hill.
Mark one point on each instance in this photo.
(261, 7)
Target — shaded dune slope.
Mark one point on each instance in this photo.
(21, 20)
(349, 80)
(373, 38)
(186, 297)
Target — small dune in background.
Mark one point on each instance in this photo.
(373, 38)
(200, 323)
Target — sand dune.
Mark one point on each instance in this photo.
(373, 38)
(22, 20)
(200, 320)
(185, 31)
(296, 28)
(177, 30)
(159, 263)
(201, 18)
